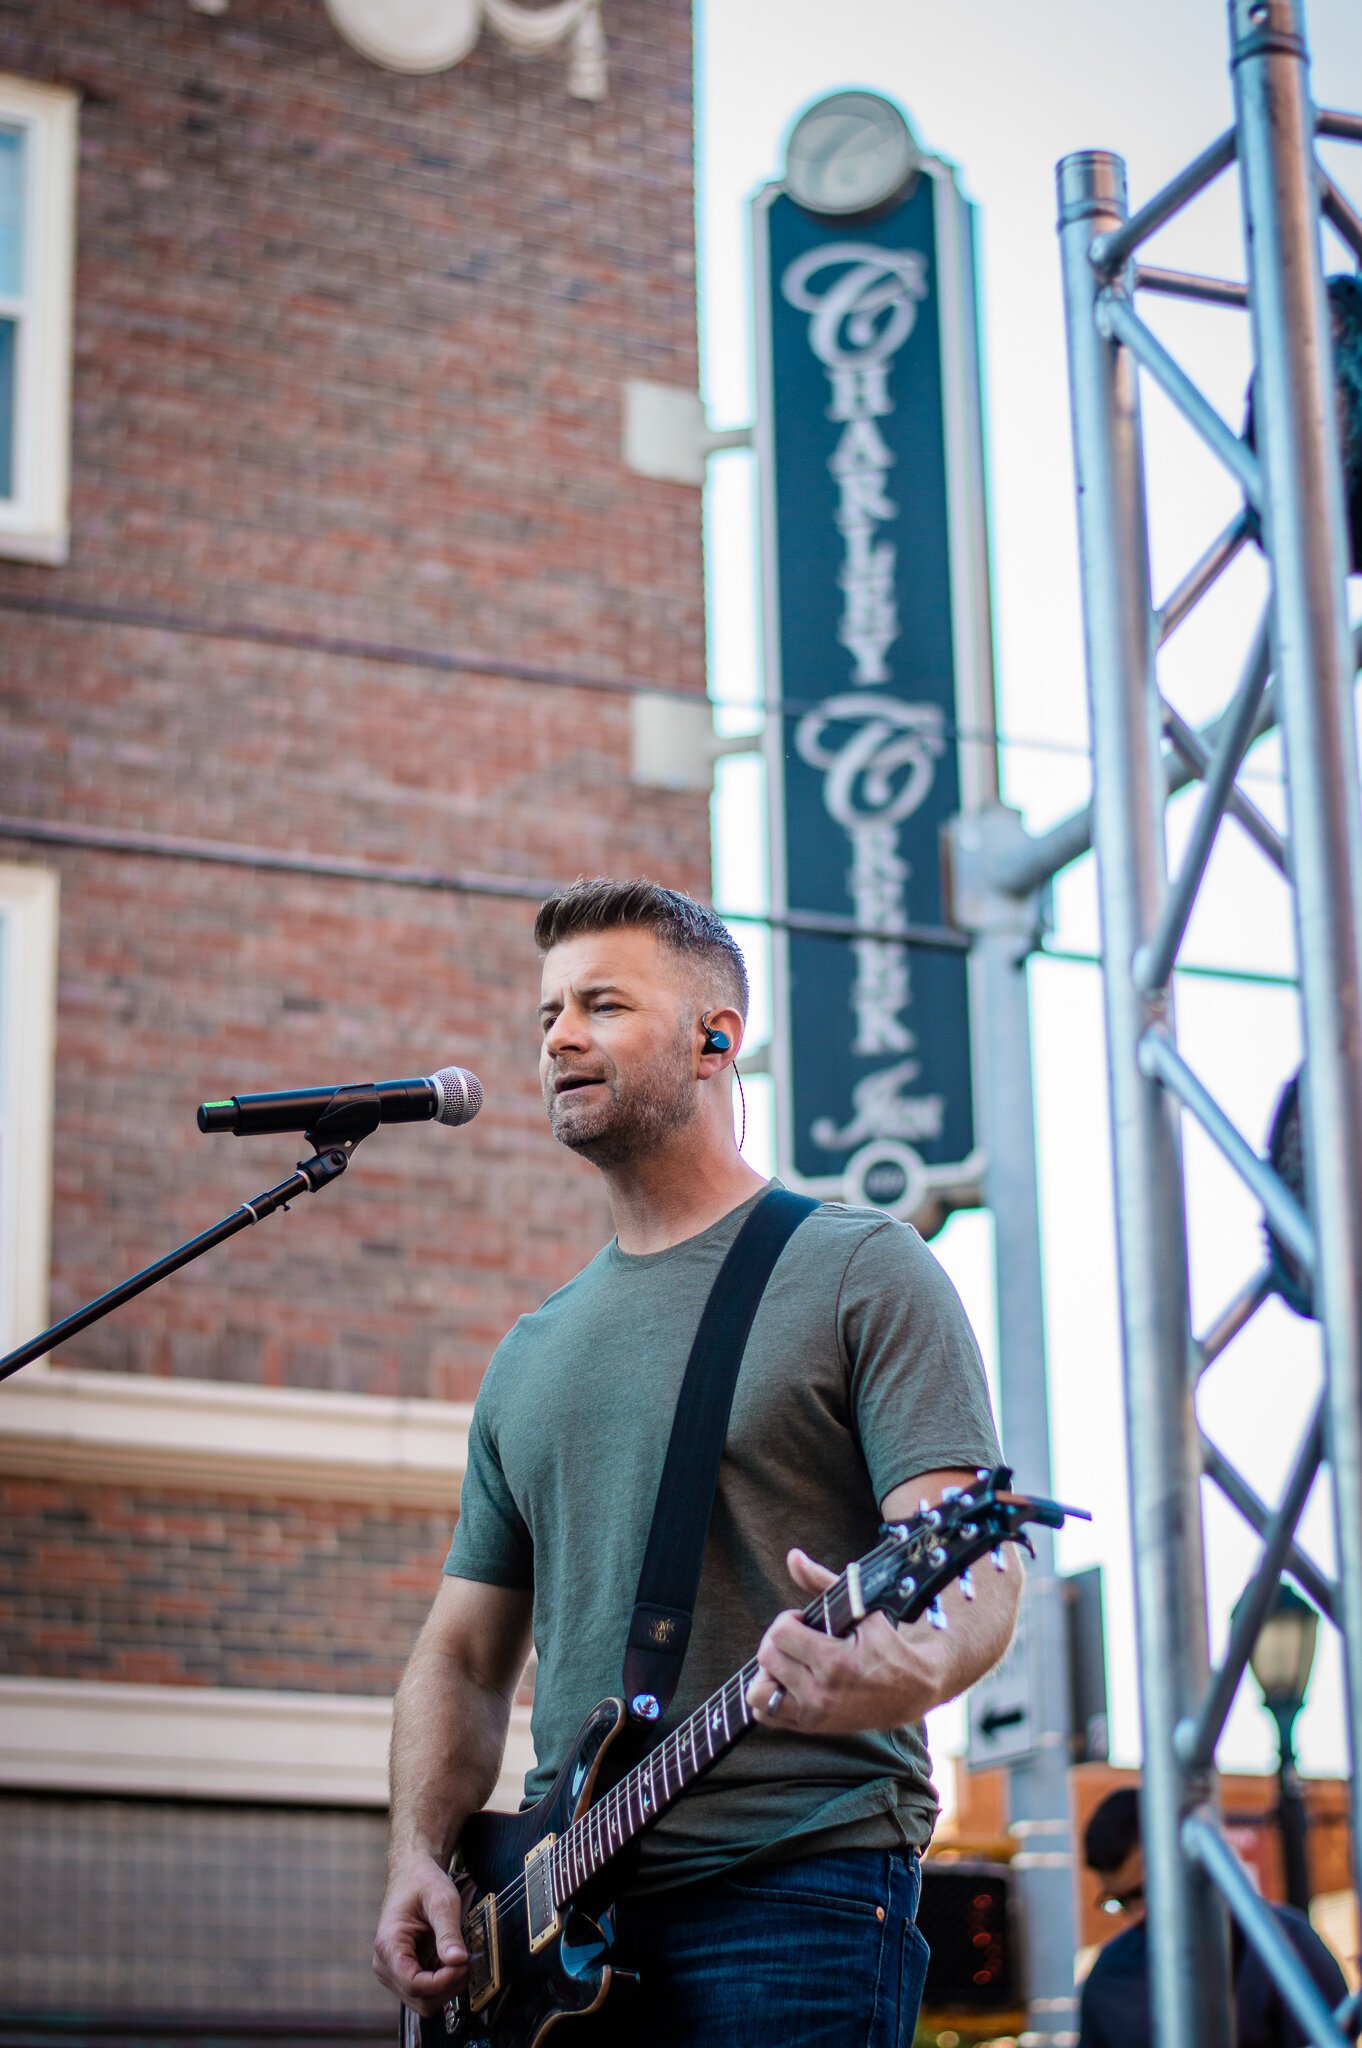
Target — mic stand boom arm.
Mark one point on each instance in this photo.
(334, 1136)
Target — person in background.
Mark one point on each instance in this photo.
(1115, 2003)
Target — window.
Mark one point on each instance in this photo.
(37, 217)
(28, 991)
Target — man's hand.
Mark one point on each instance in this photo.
(419, 1949)
(880, 1676)
(449, 1732)
(874, 1678)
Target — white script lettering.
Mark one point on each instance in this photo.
(882, 1110)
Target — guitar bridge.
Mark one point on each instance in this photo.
(484, 1953)
(539, 1900)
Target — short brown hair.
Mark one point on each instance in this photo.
(1113, 1830)
(599, 904)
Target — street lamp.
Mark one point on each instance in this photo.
(1280, 1661)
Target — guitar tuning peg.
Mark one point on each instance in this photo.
(999, 1558)
(936, 1617)
(923, 1505)
(967, 1584)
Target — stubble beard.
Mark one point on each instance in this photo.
(634, 1116)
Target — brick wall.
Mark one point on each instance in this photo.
(349, 357)
(177, 1589)
(350, 343)
(356, 573)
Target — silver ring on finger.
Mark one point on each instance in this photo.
(777, 1695)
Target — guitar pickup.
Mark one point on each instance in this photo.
(484, 1953)
(540, 1904)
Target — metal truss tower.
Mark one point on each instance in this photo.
(1299, 674)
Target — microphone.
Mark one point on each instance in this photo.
(453, 1096)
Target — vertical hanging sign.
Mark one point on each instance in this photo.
(878, 648)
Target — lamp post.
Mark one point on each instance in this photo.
(1281, 1660)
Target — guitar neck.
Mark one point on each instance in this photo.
(684, 1755)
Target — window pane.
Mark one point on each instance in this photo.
(8, 333)
(11, 211)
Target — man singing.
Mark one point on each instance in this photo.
(775, 1899)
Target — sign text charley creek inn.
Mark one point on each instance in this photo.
(861, 565)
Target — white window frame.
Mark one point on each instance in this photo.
(35, 522)
(28, 1004)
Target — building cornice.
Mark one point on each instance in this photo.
(210, 1436)
(205, 1742)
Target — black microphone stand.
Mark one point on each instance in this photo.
(343, 1124)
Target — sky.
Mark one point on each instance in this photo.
(1004, 92)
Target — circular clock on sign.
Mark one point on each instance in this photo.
(852, 153)
(409, 35)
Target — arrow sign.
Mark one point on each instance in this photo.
(1001, 1729)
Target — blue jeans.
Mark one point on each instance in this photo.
(819, 1953)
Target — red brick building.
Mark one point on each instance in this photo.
(323, 676)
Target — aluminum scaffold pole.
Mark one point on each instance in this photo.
(1190, 1983)
(1305, 536)
(1299, 671)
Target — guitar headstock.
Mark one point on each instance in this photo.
(906, 1574)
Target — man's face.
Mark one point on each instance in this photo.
(617, 1057)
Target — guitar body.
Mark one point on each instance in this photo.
(523, 1980)
(537, 1886)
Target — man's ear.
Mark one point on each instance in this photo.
(720, 1035)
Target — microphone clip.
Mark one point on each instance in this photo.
(352, 1113)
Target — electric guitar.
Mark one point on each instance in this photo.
(535, 1886)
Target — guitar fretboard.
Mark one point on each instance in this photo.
(690, 1749)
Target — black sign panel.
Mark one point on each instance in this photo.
(874, 569)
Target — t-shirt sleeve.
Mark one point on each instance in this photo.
(491, 1541)
(918, 1391)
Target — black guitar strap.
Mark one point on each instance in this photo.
(659, 1628)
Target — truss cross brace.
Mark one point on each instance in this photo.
(1291, 479)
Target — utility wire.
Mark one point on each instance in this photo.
(525, 889)
(147, 619)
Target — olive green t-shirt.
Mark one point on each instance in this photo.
(860, 1372)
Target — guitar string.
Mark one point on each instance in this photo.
(615, 1807)
(514, 1901)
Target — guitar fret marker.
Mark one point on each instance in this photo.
(528, 1914)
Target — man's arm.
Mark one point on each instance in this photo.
(882, 1676)
(449, 1731)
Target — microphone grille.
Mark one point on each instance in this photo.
(459, 1093)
